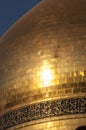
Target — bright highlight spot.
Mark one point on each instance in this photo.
(47, 75)
(82, 73)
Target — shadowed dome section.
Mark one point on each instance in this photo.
(43, 63)
(81, 128)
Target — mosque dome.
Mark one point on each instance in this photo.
(43, 68)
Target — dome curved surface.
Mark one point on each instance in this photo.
(43, 55)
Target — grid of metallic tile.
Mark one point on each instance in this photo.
(43, 110)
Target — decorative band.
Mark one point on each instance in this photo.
(43, 110)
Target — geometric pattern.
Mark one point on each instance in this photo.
(43, 110)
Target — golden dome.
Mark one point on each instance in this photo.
(43, 55)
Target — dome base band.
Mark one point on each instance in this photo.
(43, 110)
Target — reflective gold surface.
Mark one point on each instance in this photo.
(43, 55)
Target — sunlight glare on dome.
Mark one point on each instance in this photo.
(47, 74)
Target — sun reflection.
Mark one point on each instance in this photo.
(47, 75)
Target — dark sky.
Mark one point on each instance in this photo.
(12, 10)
